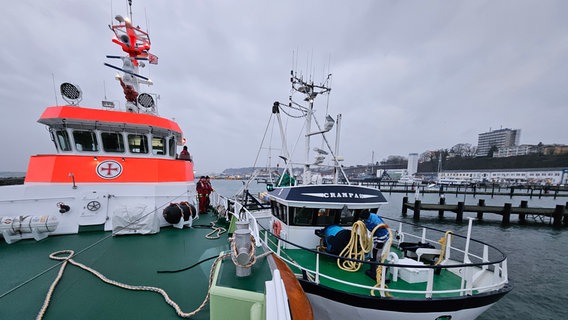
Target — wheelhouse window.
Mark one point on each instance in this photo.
(279, 211)
(158, 146)
(85, 140)
(137, 143)
(62, 138)
(323, 216)
(112, 142)
(172, 147)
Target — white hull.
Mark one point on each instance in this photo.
(92, 203)
(325, 309)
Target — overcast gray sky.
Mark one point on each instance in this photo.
(408, 76)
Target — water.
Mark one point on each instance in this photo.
(537, 253)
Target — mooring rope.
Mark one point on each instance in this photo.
(59, 255)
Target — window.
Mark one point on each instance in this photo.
(325, 217)
(158, 146)
(62, 138)
(112, 142)
(85, 140)
(172, 149)
(137, 143)
(303, 216)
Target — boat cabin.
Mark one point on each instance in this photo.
(303, 209)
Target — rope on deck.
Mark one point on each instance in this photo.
(66, 256)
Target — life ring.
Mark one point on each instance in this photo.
(276, 228)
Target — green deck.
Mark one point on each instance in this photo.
(135, 259)
(444, 281)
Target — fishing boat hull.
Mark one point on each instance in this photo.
(328, 303)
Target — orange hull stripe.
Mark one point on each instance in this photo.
(58, 168)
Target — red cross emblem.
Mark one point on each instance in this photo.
(109, 169)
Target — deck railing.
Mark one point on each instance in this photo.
(473, 266)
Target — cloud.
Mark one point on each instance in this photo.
(408, 76)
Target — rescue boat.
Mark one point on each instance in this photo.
(118, 170)
(111, 165)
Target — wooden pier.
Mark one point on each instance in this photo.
(492, 190)
(558, 215)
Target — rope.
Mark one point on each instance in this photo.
(443, 241)
(218, 231)
(57, 256)
(384, 255)
(359, 245)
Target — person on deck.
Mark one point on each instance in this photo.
(208, 190)
(372, 220)
(184, 154)
(380, 237)
(202, 194)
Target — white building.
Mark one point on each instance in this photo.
(501, 138)
(550, 176)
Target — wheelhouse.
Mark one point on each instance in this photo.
(303, 209)
(73, 132)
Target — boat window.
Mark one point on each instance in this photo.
(85, 140)
(137, 143)
(303, 216)
(62, 138)
(172, 149)
(325, 217)
(158, 146)
(346, 216)
(112, 142)
(279, 211)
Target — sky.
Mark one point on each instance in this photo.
(407, 76)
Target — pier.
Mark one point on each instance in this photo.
(492, 190)
(557, 216)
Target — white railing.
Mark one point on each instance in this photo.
(468, 272)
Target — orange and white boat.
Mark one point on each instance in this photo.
(112, 169)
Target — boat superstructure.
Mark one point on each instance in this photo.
(318, 229)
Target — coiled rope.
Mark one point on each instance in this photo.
(359, 245)
(66, 257)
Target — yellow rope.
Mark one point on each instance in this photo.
(384, 255)
(359, 245)
(443, 241)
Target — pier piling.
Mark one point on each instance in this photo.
(417, 209)
(522, 216)
(404, 207)
(441, 211)
(481, 203)
(459, 212)
(506, 214)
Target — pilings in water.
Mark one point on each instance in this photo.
(557, 215)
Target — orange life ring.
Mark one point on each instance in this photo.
(276, 228)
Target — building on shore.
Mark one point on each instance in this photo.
(497, 139)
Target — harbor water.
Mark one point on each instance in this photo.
(537, 253)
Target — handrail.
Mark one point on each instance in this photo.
(468, 271)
